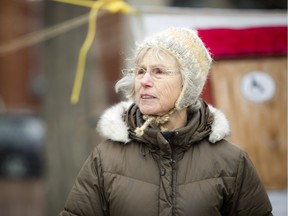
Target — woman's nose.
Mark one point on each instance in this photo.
(146, 80)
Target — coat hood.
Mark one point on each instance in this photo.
(112, 125)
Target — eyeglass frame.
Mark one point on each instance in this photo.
(155, 72)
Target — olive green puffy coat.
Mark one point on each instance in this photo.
(192, 172)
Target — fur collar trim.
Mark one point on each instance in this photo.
(111, 124)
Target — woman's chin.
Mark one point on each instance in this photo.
(148, 110)
(145, 110)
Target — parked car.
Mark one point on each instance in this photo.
(21, 146)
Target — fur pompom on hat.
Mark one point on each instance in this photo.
(193, 57)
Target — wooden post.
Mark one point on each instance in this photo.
(67, 139)
(71, 128)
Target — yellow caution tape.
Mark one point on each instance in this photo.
(112, 6)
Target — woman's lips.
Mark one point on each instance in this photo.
(146, 96)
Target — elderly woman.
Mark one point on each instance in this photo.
(165, 152)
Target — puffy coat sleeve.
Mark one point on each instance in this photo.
(86, 196)
(250, 196)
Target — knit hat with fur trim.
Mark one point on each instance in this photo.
(194, 59)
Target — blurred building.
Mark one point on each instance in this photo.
(39, 47)
(239, 4)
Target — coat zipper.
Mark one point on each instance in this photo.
(173, 163)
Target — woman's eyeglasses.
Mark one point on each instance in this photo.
(154, 72)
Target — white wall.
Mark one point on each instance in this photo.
(152, 19)
(148, 2)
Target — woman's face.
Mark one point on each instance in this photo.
(158, 83)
